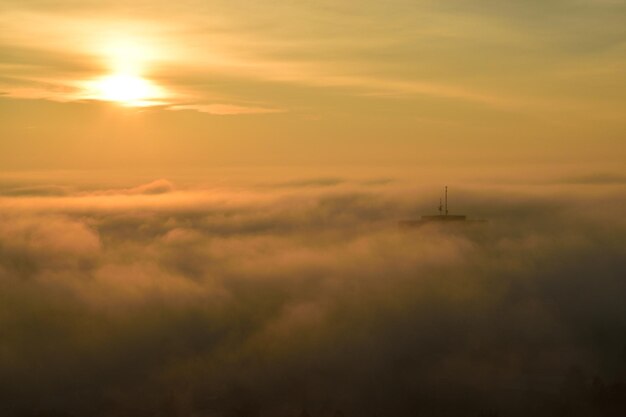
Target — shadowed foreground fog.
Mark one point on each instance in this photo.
(305, 299)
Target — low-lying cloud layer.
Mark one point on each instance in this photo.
(304, 298)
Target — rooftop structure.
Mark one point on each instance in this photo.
(443, 217)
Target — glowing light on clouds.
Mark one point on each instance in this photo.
(127, 60)
(127, 89)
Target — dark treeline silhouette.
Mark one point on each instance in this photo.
(578, 396)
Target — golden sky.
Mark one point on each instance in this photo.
(200, 199)
(202, 83)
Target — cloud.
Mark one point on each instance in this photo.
(225, 109)
(271, 300)
(41, 190)
(605, 178)
(312, 182)
(160, 186)
(155, 187)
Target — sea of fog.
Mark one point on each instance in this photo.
(300, 296)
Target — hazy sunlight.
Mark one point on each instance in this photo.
(126, 89)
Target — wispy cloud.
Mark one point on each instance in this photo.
(245, 55)
(224, 109)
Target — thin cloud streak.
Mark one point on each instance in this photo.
(222, 57)
(224, 109)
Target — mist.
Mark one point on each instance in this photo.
(303, 297)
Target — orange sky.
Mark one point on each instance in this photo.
(109, 85)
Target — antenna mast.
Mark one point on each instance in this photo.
(446, 200)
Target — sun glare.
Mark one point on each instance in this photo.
(126, 89)
(127, 59)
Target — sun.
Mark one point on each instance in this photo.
(126, 89)
(128, 60)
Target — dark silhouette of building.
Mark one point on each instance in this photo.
(444, 217)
